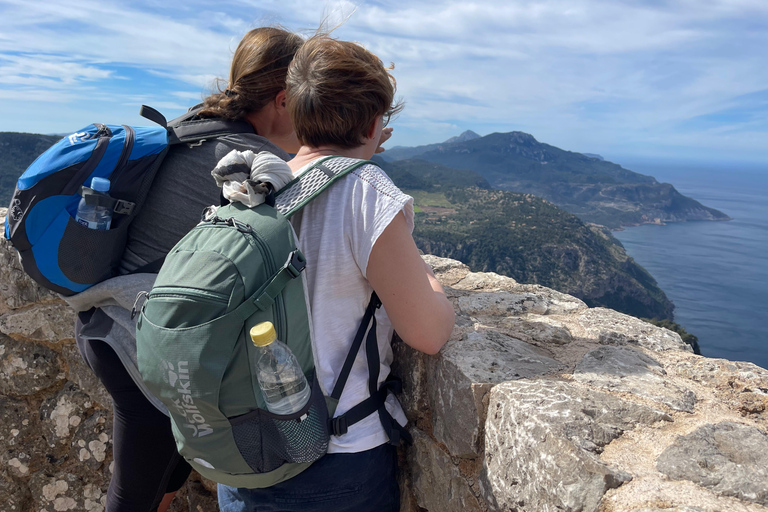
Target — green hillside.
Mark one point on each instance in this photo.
(596, 190)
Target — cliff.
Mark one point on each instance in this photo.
(537, 403)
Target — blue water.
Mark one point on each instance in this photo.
(716, 273)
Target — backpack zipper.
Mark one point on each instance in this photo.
(281, 326)
(130, 138)
(102, 131)
(185, 293)
(103, 135)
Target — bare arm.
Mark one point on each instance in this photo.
(415, 301)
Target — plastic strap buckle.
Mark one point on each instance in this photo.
(392, 385)
(339, 426)
(296, 263)
(124, 207)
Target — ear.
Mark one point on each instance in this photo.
(374, 128)
(280, 99)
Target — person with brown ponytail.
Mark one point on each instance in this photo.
(147, 468)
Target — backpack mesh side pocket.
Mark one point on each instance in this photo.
(78, 246)
(267, 441)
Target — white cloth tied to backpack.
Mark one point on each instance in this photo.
(242, 175)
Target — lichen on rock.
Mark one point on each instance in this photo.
(537, 403)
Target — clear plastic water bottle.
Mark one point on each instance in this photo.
(282, 382)
(95, 208)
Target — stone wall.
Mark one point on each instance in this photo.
(537, 403)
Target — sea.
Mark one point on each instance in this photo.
(716, 273)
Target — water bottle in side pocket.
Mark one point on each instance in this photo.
(95, 208)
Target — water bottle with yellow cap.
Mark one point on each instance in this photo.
(282, 382)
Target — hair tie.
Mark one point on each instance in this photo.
(228, 93)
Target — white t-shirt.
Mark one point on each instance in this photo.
(336, 234)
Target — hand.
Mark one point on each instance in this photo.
(386, 133)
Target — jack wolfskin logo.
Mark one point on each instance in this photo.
(16, 211)
(169, 376)
(80, 137)
(178, 378)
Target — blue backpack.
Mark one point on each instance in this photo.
(54, 249)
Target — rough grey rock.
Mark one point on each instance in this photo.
(465, 372)
(27, 368)
(534, 328)
(542, 439)
(16, 288)
(613, 328)
(14, 496)
(502, 304)
(81, 374)
(63, 413)
(437, 482)
(91, 442)
(743, 386)
(47, 322)
(23, 450)
(675, 509)
(64, 492)
(629, 370)
(458, 276)
(729, 458)
(411, 367)
(194, 497)
(716, 372)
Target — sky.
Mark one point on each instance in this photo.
(677, 79)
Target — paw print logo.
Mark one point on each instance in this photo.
(78, 137)
(170, 376)
(16, 211)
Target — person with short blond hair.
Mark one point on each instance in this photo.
(334, 91)
(357, 240)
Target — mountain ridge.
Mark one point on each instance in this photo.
(598, 191)
(465, 136)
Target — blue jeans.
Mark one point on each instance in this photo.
(339, 482)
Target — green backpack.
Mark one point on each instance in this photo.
(241, 266)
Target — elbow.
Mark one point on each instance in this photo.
(433, 349)
(432, 336)
(429, 345)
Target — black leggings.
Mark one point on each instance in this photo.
(147, 464)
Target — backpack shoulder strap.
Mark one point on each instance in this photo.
(190, 128)
(377, 398)
(314, 181)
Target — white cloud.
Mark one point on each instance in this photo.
(573, 72)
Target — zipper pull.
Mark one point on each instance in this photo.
(135, 308)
